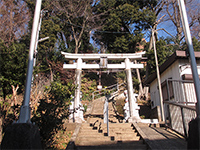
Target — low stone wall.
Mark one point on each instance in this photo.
(21, 136)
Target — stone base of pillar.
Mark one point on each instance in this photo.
(134, 119)
(71, 120)
(79, 120)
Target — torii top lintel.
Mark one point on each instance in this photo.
(93, 56)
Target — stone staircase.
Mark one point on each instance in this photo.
(93, 134)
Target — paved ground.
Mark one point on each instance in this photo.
(160, 137)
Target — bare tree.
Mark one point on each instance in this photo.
(80, 17)
(172, 11)
(158, 13)
(14, 17)
(194, 15)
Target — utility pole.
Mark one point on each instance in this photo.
(38, 40)
(158, 76)
(193, 63)
(194, 125)
(157, 69)
(25, 110)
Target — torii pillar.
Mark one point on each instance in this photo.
(77, 90)
(133, 106)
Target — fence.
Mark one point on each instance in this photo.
(179, 104)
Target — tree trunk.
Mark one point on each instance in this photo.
(140, 83)
(14, 97)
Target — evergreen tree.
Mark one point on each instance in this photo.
(163, 53)
(196, 45)
(124, 25)
(13, 64)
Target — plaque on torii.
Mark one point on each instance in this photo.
(126, 64)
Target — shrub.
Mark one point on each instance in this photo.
(52, 111)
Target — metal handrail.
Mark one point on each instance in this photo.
(112, 87)
(177, 102)
(184, 117)
(181, 105)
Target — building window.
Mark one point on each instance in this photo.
(167, 90)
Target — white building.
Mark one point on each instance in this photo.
(177, 88)
(176, 69)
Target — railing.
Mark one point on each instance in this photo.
(179, 104)
(114, 91)
(112, 88)
(179, 116)
(179, 91)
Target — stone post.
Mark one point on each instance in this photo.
(134, 114)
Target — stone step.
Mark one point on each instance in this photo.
(89, 128)
(92, 140)
(115, 145)
(115, 127)
(124, 138)
(93, 120)
(113, 137)
(117, 131)
(104, 141)
(122, 125)
(123, 128)
(93, 143)
(111, 133)
(111, 148)
(93, 135)
(87, 132)
(100, 118)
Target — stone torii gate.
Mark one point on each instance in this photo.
(79, 65)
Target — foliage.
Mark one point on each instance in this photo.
(163, 53)
(119, 104)
(13, 64)
(196, 45)
(8, 112)
(165, 48)
(52, 111)
(121, 75)
(88, 86)
(61, 139)
(124, 25)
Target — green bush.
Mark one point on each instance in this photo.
(53, 110)
(87, 87)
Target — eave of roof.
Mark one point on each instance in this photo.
(176, 55)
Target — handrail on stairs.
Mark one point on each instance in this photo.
(115, 88)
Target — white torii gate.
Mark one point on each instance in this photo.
(127, 65)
